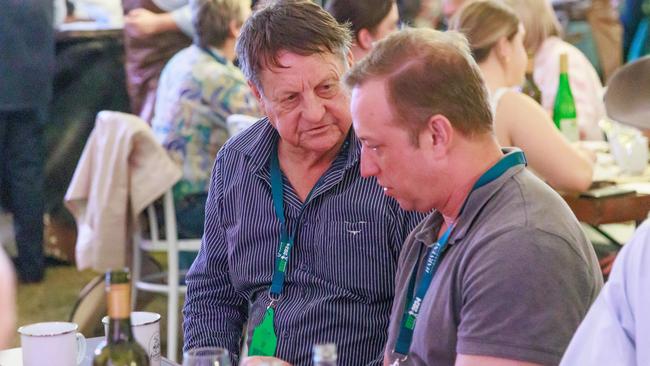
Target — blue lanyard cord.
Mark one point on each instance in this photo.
(434, 254)
(286, 240)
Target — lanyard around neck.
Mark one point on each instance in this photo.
(286, 240)
(409, 317)
(220, 59)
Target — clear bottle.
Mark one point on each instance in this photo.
(530, 88)
(564, 110)
(120, 347)
(325, 354)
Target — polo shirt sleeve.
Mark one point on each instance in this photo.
(524, 293)
(214, 314)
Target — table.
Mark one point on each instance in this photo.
(608, 210)
(14, 356)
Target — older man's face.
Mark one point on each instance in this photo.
(405, 171)
(306, 101)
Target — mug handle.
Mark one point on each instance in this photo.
(81, 348)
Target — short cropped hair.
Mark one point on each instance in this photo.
(211, 20)
(360, 14)
(427, 72)
(484, 22)
(296, 26)
(538, 19)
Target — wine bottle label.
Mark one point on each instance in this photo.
(119, 296)
(569, 128)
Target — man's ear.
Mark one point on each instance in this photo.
(439, 134)
(350, 59)
(364, 39)
(258, 95)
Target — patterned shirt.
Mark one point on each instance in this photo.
(196, 93)
(340, 277)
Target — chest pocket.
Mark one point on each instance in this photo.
(357, 256)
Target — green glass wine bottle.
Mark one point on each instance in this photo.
(120, 347)
(564, 109)
(530, 87)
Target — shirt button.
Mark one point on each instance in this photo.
(285, 334)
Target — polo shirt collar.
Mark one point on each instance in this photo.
(475, 202)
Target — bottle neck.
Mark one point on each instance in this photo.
(119, 312)
(119, 330)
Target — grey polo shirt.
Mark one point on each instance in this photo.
(517, 277)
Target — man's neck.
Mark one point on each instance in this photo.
(467, 168)
(303, 167)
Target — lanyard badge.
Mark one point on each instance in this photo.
(414, 301)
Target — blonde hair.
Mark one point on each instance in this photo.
(484, 23)
(427, 72)
(538, 19)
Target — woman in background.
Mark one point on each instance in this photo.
(543, 40)
(496, 38)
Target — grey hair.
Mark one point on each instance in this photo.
(297, 26)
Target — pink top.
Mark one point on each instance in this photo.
(585, 84)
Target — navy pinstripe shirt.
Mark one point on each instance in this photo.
(340, 277)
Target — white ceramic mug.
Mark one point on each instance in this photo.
(52, 344)
(146, 330)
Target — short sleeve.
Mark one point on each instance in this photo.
(524, 293)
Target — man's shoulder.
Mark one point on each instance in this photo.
(527, 210)
(253, 142)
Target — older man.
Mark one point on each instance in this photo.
(297, 245)
(501, 273)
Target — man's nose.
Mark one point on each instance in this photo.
(313, 108)
(368, 167)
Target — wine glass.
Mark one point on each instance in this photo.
(206, 356)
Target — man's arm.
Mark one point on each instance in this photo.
(214, 314)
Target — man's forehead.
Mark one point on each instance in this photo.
(284, 60)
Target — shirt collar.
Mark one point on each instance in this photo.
(475, 202)
(265, 138)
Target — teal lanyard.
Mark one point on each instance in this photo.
(215, 56)
(286, 240)
(264, 340)
(409, 317)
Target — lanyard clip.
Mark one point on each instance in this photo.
(399, 358)
(273, 299)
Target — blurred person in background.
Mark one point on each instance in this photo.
(495, 36)
(370, 21)
(542, 40)
(154, 31)
(7, 301)
(198, 89)
(26, 72)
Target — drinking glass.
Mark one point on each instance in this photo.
(206, 356)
